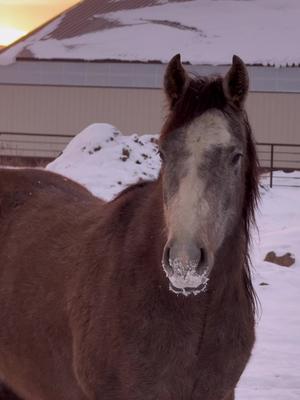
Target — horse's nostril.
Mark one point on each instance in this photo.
(166, 261)
(202, 260)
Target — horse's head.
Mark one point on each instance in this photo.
(204, 146)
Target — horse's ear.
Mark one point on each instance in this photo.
(236, 82)
(175, 80)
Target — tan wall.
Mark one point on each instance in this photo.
(67, 110)
(275, 117)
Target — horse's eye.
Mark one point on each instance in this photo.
(236, 158)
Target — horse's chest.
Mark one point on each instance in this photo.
(197, 363)
(168, 369)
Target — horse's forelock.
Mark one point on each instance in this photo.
(202, 94)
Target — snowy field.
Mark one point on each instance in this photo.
(105, 161)
(274, 370)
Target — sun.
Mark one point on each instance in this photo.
(8, 35)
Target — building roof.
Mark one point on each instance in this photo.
(262, 32)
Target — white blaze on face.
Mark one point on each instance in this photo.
(191, 213)
(210, 129)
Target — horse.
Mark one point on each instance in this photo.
(147, 296)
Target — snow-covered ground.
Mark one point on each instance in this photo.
(274, 370)
(105, 161)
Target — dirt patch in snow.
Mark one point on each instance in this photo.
(286, 260)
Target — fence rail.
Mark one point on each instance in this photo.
(272, 156)
(19, 144)
(279, 156)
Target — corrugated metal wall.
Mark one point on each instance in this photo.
(67, 110)
(275, 117)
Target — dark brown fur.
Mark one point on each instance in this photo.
(86, 311)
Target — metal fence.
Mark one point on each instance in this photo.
(31, 145)
(280, 156)
(272, 156)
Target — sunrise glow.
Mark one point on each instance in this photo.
(9, 35)
(19, 17)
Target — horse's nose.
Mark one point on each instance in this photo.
(183, 258)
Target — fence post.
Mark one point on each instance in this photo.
(272, 165)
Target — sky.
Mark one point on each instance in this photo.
(18, 17)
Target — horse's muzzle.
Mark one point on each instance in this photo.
(186, 266)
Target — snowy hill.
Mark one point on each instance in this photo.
(204, 31)
(105, 161)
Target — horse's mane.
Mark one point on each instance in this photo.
(202, 94)
(251, 199)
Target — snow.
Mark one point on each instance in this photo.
(204, 31)
(190, 283)
(106, 162)
(273, 372)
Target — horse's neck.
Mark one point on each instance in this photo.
(229, 274)
(138, 214)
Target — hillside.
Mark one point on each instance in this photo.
(204, 31)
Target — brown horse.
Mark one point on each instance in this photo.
(149, 296)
